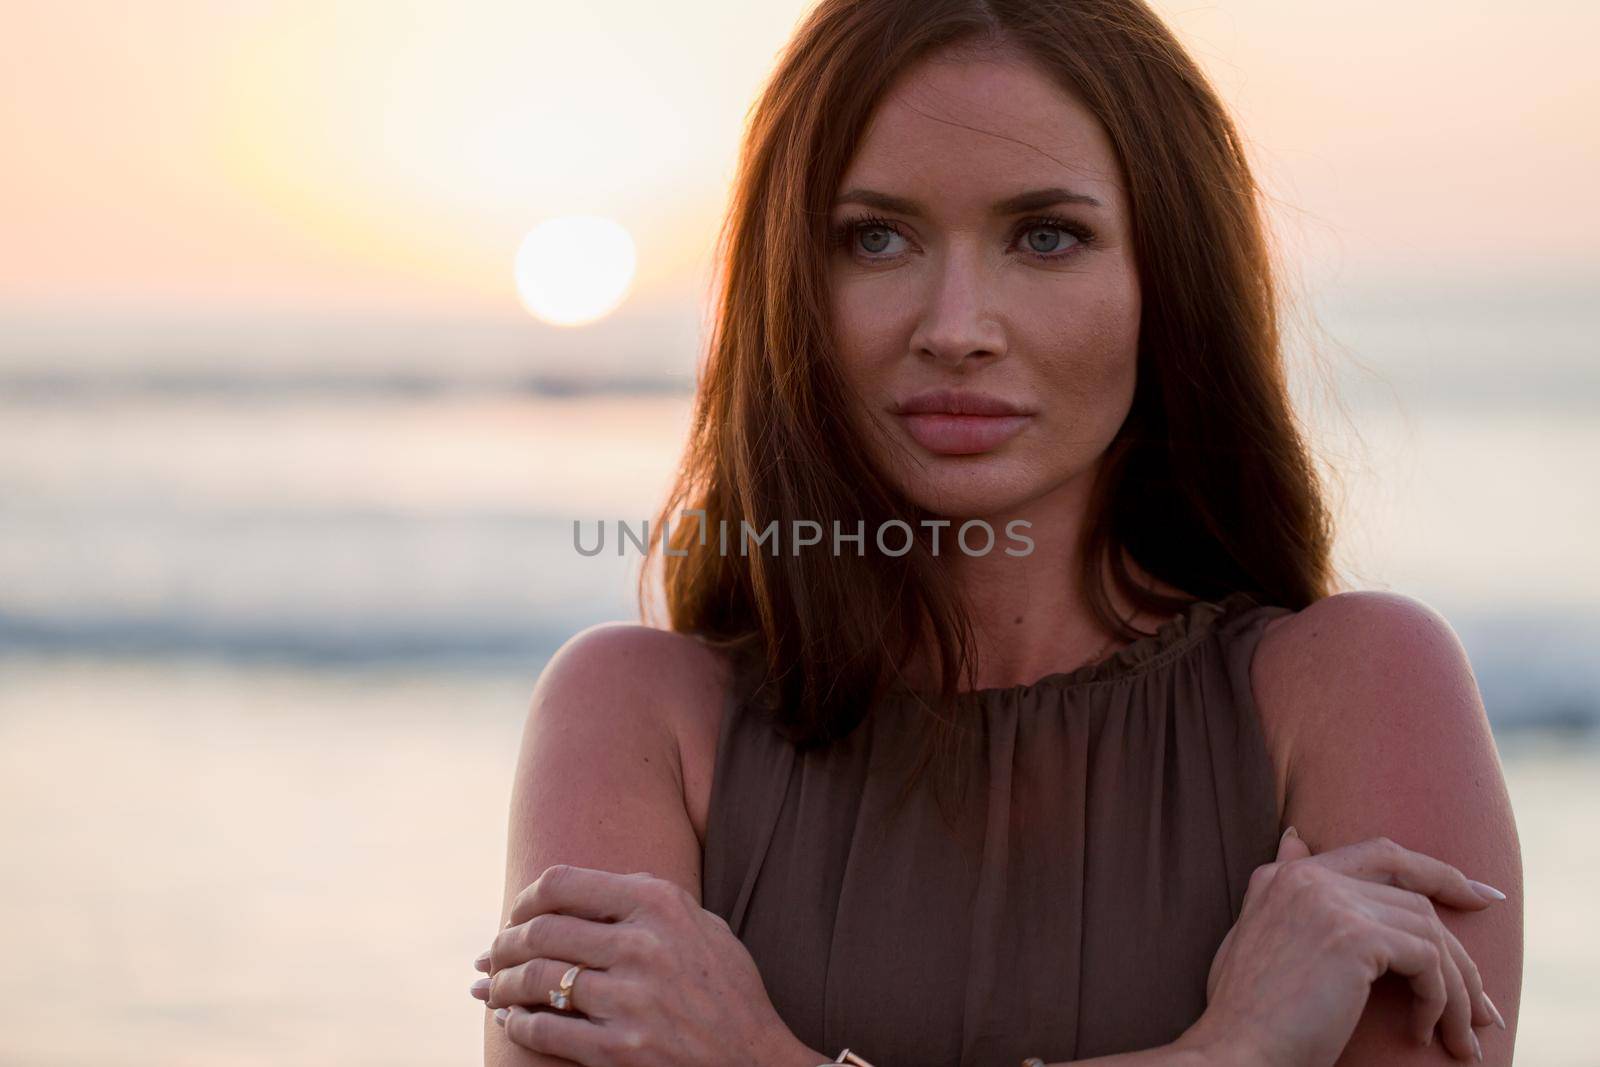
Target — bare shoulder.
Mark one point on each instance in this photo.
(600, 781)
(1377, 717)
(1324, 658)
(645, 666)
(665, 689)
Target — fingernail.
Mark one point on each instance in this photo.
(1477, 1048)
(1290, 832)
(500, 1015)
(1499, 1020)
(1488, 892)
(481, 963)
(480, 988)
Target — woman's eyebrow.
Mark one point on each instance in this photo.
(1033, 200)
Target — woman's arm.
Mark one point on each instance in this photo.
(1373, 698)
(599, 781)
(599, 784)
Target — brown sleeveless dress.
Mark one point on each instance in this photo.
(1111, 823)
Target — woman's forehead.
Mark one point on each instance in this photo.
(968, 133)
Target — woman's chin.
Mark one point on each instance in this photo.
(977, 493)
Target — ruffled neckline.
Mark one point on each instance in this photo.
(1170, 637)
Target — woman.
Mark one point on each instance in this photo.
(999, 266)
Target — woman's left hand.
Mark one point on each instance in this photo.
(665, 983)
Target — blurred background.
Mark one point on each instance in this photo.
(299, 397)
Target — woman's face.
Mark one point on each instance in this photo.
(965, 280)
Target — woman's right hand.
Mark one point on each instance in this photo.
(1291, 979)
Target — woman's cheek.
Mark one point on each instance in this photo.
(1091, 385)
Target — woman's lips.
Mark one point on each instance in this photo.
(963, 435)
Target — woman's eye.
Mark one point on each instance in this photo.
(875, 239)
(1048, 246)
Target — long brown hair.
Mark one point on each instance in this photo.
(1207, 486)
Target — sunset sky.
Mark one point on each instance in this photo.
(172, 162)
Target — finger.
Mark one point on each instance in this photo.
(1455, 1019)
(530, 984)
(603, 896)
(1483, 1012)
(1417, 960)
(569, 1037)
(1482, 1008)
(1456, 1026)
(1291, 847)
(1260, 879)
(1381, 860)
(555, 936)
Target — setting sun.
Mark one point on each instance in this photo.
(575, 269)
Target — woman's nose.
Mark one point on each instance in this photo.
(958, 320)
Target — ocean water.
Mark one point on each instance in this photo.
(323, 529)
(265, 652)
(393, 527)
